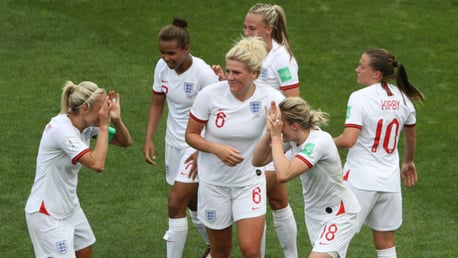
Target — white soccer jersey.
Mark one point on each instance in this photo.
(373, 161)
(279, 70)
(180, 91)
(234, 123)
(57, 167)
(322, 184)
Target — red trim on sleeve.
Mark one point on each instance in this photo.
(354, 126)
(43, 208)
(412, 125)
(288, 87)
(197, 119)
(158, 92)
(77, 157)
(305, 161)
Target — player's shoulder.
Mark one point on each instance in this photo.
(199, 61)
(202, 68)
(216, 88)
(161, 66)
(279, 50)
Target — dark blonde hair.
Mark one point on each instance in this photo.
(274, 15)
(176, 31)
(74, 96)
(384, 61)
(297, 110)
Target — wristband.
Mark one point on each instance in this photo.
(111, 133)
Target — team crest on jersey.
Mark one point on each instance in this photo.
(188, 88)
(308, 148)
(61, 247)
(255, 107)
(264, 73)
(210, 215)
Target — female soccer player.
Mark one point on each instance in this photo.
(280, 71)
(330, 208)
(57, 224)
(178, 77)
(231, 189)
(376, 116)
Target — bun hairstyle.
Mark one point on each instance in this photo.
(176, 31)
(180, 22)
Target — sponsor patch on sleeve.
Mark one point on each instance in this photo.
(308, 148)
(285, 74)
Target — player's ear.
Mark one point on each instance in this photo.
(186, 48)
(377, 75)
(269, 29)
(84, 108)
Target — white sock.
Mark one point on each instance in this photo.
(199, 226)
(176, 237)
(286, 228)
(387, 253)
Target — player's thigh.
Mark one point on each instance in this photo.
(277, 193)
(176, 167)
(386, 215)
(333, 235)
(367, 200)
(84, 236)
(214, 206)
(50, 237)
(250, 231)
(184, 167)
(183, 193)
(249, 201)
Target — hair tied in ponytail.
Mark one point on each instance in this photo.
(394, 63)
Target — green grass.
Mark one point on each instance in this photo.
(113, 43)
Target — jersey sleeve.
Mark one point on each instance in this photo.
(287, 71)
(70, 143)
(354, 116)
(412, 116)
(314, 150)
(158, 77)
(208, 76)
(200, 110)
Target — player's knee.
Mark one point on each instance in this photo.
(176, 209)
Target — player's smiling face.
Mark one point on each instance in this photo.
(254, 26)
(173, 54)
(239, 78)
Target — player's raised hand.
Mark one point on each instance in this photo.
(115, 99)
(219, 72)
(274, 123)
(104, 113)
